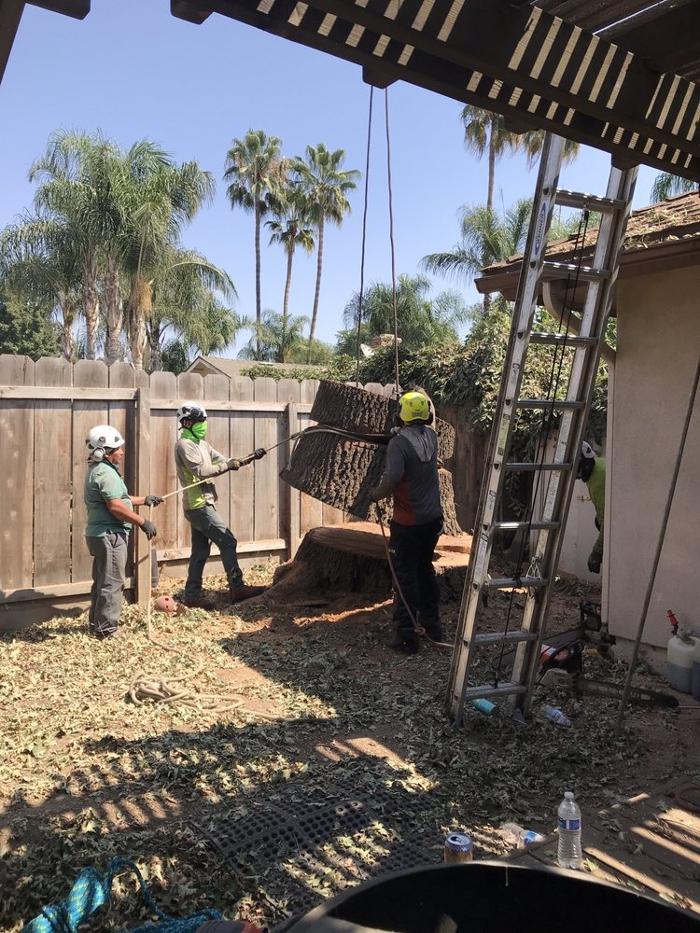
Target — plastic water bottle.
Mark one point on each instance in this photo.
(557, 716)
(569, 849)
(514, 834)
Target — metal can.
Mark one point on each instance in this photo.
(458, 848)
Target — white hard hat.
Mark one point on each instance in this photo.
(587, 451)
(194, 410)
(101, 438)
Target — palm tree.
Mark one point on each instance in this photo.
(667, 185)
(485, 132)
(486, 238)
(188, 296)
(75, 190)
(290, 229)
(422, 320)
(326, 185)
(277, 339)
(158, 199)
(38, 260)
(255, 171)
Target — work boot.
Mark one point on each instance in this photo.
(199, 602)
(239, 593)
(433, 629)
(407, 644)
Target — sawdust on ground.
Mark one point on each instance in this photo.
(85, 775)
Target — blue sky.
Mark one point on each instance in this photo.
(133, 70)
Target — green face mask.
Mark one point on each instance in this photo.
(199, 430)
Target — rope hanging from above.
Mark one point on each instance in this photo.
(364, 237)
(391, 242)
(392, 246)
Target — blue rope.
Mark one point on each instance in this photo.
(92, 890)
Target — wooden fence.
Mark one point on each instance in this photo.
(46, 410)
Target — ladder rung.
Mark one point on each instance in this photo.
(557, 340)
(510, 583)
(536, 467)
(589, 201)
(488, 690)
(559, 404)
(503, 638)
(533, 526)
(563, 270)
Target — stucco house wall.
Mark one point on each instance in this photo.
(658, 346)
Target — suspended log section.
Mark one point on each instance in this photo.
(341, 472)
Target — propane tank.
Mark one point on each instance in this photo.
(680, 653)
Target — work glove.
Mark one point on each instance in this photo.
(234, 464)
(376, 495)
(259, 453)
(594, 563)
(149, 529)
(152, 501)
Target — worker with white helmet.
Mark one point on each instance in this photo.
(591, 470)
(197, 460)
(110, 516)
(411, 476)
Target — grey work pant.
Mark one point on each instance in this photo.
(109, 554)
(207, 527)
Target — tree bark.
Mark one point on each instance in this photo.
(285, 304)
(258, 303)
(114, 314)
(155, 349)
(317, 295)
(140, 306)
(492, 170)
(91, 310)
(67, 336)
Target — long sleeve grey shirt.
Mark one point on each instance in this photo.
(411, 474)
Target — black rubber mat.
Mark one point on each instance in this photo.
(314, 840)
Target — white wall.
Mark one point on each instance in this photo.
(658, 348)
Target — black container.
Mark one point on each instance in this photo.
(493, 897)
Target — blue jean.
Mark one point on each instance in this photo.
(209, 527)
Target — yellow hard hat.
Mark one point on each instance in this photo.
(414, 406)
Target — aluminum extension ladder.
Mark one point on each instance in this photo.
(559, 473)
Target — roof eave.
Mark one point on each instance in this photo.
(635, 261)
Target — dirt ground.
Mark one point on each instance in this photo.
(311, 693)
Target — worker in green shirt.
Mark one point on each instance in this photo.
(110, 516)
(591, 470)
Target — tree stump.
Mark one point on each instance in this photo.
(341, 559)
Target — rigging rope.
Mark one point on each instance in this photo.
(364, 236)
(391, 242)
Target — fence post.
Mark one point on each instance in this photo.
(294, 496)
(143, 480)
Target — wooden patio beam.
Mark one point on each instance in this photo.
(387, 59)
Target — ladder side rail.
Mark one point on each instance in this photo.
(511, 380)
(596, 315)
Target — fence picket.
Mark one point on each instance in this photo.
(86, 414)
(53, 484)
(242, 435)
(163, 473)
(16, 477)
(267, 481)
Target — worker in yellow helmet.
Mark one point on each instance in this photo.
(591, 470)
(411, 476)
